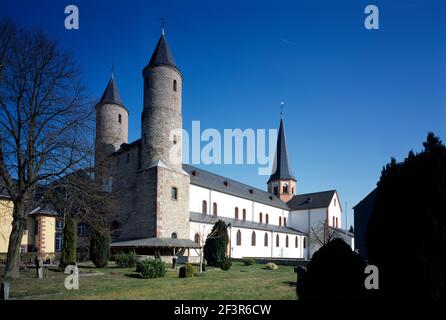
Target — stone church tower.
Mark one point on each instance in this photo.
(161, 174)
(282, 182)
(111, 123)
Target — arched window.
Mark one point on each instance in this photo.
(266, 219)
(277, 240)
(119, 118)
(284, 221)
(260, 218)
(253, 238)
(244, 214)
(239, 238)
(236, 212)
(175, 85)
(336, 222)
(280, 221)
(335, 202)
(265, 240)
(197, 238)
(296, 242)
(286, 241)
(204, 207)
(174, 235)
(214, 208)
(305, 242)
(333, 222)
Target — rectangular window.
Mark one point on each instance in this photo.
(174, 193)
(59, 242)
(60, 224)
(81, 229)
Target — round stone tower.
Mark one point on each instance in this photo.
(111, 123)
(161, 119)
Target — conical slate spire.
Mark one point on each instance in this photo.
(281, 164)
(111, 93)
(162, 54)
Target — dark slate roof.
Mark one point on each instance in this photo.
(213, 181)
(111, 94)
(44, 209)
(157, 243)
(205, 218)
(311, 200)
(281, 167)
(162, 55)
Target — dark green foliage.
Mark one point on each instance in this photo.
(216, 244)
(248, 261)
(187, 271)
(225, 264)
(68, 255)
(406, 234)
(125, 259)
(151, 268)
(334, 272)
(100, 249)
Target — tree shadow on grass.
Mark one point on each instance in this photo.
(290, 283)
(133, 275)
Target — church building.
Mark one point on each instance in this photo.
(168, 208)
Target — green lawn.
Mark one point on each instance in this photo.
(240, 282)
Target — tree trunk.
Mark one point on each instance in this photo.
(15, 240)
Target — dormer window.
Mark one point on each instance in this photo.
(195, 173)
(175, 85)
(226, 183)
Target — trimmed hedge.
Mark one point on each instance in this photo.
(151, 268)
(187, 271)
(100, 249)
(225, 264)
(125, 259)
(248, 261)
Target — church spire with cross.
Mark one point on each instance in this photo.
(282, 181)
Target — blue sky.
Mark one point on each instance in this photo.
(354, 97)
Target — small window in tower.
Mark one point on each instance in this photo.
(174, 193)
(174, 139)
(174, 235)
(119, 118)
(145, 138)
(285, 189)
(175, 85)
(276, 190)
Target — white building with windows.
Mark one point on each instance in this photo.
(168, 208)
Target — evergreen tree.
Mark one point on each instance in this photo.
(68, 255)
(100, 248)
(406, 233)
(215, 246)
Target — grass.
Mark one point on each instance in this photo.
(240, 283)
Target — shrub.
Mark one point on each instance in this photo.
(225, 264)
(322, 275)
(248, 261)
(216, 244)
(187, 271)
(99, 249)
(271, 266)
(125, 260)
(68, 255)
(151, 268)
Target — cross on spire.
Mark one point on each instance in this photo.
(163, 23)
(282, 105)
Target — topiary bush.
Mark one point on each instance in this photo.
(271, 266)
(187, 271)
(68, 255)
(248, 261)
(225, 264)
(216, 244)
(125, 259)
(151, 268)
(100, 249)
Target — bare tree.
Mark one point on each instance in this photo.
(322, 233)
(45, 122)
